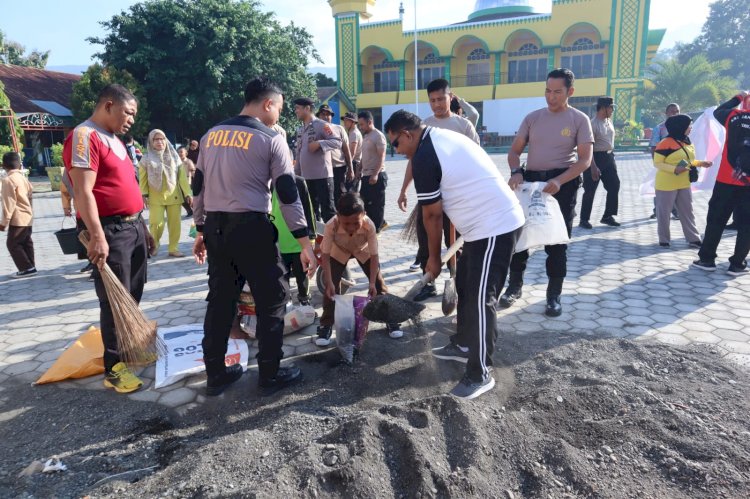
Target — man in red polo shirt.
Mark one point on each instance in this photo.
(109, 201)
(732, 189)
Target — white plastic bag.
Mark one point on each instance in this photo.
(184, 355)
(298, 318)
(544, 221)
(344, 324)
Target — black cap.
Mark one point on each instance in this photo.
(605, 102)
(326, 108)
(350, 116)
(304, 101)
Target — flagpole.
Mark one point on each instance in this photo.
(416, 64)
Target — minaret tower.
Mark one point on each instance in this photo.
(348, 14)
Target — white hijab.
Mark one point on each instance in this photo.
(161, 164)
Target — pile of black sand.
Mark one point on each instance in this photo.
(571, 416)
(392, 309)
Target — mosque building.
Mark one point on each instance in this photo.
(497, 59)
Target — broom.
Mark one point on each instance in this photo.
(409, 232)
(137, 341)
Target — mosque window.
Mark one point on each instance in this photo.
(431, 59)
(478, 54)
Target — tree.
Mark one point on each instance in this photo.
(694, 85)
(321, 80)
(13, 53)
(5, 135)
(725, 35)
(96, 77)
(194, 58)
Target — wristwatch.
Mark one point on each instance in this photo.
(520, 169)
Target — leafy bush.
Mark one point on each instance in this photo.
(57, 150)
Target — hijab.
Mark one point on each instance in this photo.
(161, 164)
(677, 127)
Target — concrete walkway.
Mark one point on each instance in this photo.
(620, 282)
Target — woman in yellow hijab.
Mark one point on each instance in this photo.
(164, 187)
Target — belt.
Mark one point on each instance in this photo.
(543, 176)
(240, 215)
(120, 219)
(605, 152)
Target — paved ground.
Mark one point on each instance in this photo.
(619, 282)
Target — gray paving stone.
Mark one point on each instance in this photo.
(144, 395)
(736, 346)
(21, 367)
(701, 337)
(741, 360)
(178, 397)
(731, 335)
(671, 339)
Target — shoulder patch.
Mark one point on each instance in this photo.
(327, 130)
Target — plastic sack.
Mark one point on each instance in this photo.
(298, 318)
(184, 355)
(193, 232)
(81, 359)
(350, 331)
(544, 221)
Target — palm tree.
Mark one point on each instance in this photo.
(695, 85)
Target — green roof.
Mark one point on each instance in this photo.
(655, 36)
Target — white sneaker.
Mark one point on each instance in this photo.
(414, 267)
(322, 342)
(396, 334)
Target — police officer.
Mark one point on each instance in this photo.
(341, 159)
(240, 159)
(315, 141)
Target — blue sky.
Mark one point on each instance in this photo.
(63, 27)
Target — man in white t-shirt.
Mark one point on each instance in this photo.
(488, 215)
(440, 96)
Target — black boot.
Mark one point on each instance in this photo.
(274, 377)
(554, 290)
(513, 291)
(219, 380)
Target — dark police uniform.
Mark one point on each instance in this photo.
(239, 160)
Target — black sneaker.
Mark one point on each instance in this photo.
(427, 292)
(610, 221)
(324, 336)
(736, 270)
(304, 302)
(88, 268)
(509, 297)
(467, 389)
(695, 244)
(451, 352)
(585, 224)
(215, 385)
(652, 217)
(285, 376)
(24, 273)
(707, 266)
(664, 245)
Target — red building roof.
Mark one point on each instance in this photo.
(24, 85)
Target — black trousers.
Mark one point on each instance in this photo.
(21, 247)
(605, 161)
(423, 250)
(128, 254)
(725, 200)
(321, 196)
(557, 257)
(294, 267)
(374, 198)
(339, 181)
(243, 245)
(480, 276)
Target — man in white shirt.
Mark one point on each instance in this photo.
(486, 212)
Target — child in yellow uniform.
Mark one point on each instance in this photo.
(349, 234)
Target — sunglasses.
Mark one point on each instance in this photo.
(395, 142)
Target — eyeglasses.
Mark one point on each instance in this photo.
(395, 142)
(160, 139)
